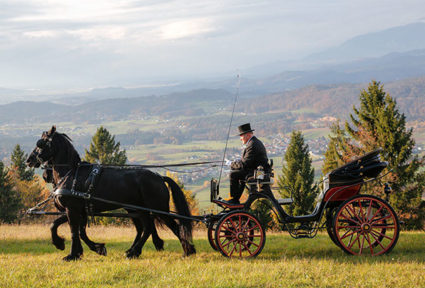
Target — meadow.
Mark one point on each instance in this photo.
(27, 259)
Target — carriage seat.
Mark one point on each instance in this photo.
(262, 175)
(227, 205)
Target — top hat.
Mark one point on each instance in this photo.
(245, 128)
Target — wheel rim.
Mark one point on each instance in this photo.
(366, 225)
(240, 235)
(211, 234)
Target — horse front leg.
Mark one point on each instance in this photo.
(74, 219)
(99, 248)
(58, 241)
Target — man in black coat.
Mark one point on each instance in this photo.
(253, 156)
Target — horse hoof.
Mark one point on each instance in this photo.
(190, 251)
(60, 244)
(101, 250)
(131, 254)
(71, 258)
(159, 246)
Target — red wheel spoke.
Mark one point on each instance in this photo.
(380, 234)
(355, 214)
(247, 249)
(381, 219)
(383, 226)
(361, 247)
(233, 250)
(349, 227)
(350, 219)
(369, 210)
(252, 243)
(233, 224)
(346, 235)
(232, 231)
(240, 250)
(351, 244)
(250, 229)
(361, 210)
(376, 213)
(377, 241)
(370, 244)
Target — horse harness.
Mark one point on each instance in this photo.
(89, 186)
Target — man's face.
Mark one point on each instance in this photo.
(245, 137)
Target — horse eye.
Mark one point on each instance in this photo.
(41, 143)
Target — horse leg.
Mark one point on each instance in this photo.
(99, 248)
(158, 242)
(187, 246)
(147, 231)
(139, 228)
(58, 241)
(74, 221)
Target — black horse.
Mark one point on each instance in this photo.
(139, 187)
(99, 248)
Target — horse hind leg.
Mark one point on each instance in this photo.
(187, 246)
(157, 241)
(58, 241)
(137, 247)
(99, 248)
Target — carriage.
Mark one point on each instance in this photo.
(357, 223)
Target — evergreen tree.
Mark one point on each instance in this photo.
(104, 149)
(378, 123)
(18, 159)
(9, 198)
(298, 176)
(336, 151)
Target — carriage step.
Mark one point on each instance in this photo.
(285, 201)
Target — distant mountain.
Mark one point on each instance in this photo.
(397, 39)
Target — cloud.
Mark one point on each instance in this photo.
(185, 28)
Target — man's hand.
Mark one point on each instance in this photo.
(236, 165)
(227, 162)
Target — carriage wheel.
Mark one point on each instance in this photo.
(211, 235)
(366, 224)
(330, 215)
(240, 234)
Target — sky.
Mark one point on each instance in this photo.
(70, 45)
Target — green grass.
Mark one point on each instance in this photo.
(27, 259)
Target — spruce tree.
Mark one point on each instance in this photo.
(9, 198)
(104, 150)
(298, 176)
(378, 123)
(18, 159)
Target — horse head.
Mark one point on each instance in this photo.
(55, 148)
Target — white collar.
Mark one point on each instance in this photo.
(246, 144)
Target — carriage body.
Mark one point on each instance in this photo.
(357, 223)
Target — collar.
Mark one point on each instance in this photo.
(247, 142)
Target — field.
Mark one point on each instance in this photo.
(27, 259)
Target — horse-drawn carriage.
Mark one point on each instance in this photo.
(357, 223)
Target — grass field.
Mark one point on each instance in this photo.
(27, 259)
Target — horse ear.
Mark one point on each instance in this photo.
(52, 130)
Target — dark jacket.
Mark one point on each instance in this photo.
(253, 156)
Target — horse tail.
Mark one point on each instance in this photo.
(182, 207)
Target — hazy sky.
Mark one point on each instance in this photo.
(58, 44)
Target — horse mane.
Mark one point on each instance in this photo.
(65, 140)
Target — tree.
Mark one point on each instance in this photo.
(378, 123)
(104, 150)
(298, 176)
(9, 198)
(18, 159)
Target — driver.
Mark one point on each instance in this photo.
(253, 155)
